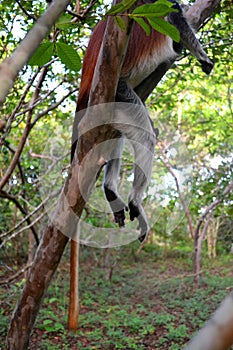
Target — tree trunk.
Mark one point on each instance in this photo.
(39, 277)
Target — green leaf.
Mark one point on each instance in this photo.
(68, 56)
(47, 321)
(115, 9)
(119, 21)
(164, 27)
(128, 3)
(42, 55)
(143, 24)
(64, 22)
(157, 10)
(121, 7)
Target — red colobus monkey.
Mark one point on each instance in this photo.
(145, 55)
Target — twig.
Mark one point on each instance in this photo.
(10, 68)
(4, 194)
(25, 11)
(26, 217)
(212, 206)
(13, 113)
(22, 230)
(26, 131)
(16, 275)
(165, 161)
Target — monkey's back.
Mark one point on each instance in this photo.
(144, 54)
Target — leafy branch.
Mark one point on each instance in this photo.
(147, 16)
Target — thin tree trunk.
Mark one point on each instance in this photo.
(199, 235)
(74, 286)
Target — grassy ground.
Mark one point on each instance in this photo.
(148, 302)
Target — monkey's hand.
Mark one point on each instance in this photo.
(117, 205)
(136, 211)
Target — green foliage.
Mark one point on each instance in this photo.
(66, 53)
(120, 22)
(121, 7)
(68, 56)
(43, 54)
(65, 22)
(164, 27)
(150, 12)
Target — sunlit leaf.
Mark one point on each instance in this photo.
(164, 27)
(156, 9)
(68, 56)
(121, 7)
(64, 22)
(43, 54)
(143, 24)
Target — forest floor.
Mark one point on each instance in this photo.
(144, 302)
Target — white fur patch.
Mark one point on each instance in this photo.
(146, 67)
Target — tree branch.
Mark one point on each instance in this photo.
(212, 206)
(26, 131)
(4, 194)
(10, 68)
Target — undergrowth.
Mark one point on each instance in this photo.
(150, 302)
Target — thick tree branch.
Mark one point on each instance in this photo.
(201, 11)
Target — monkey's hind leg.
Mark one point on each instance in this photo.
(142, 139)
(136, 210)
(112, 172)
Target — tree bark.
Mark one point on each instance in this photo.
(199, 235)
(39, 277)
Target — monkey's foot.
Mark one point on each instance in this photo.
(207, 66)
(137, 211)
(117, 205)
(119, 217)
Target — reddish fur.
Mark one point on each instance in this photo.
(140, 47)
